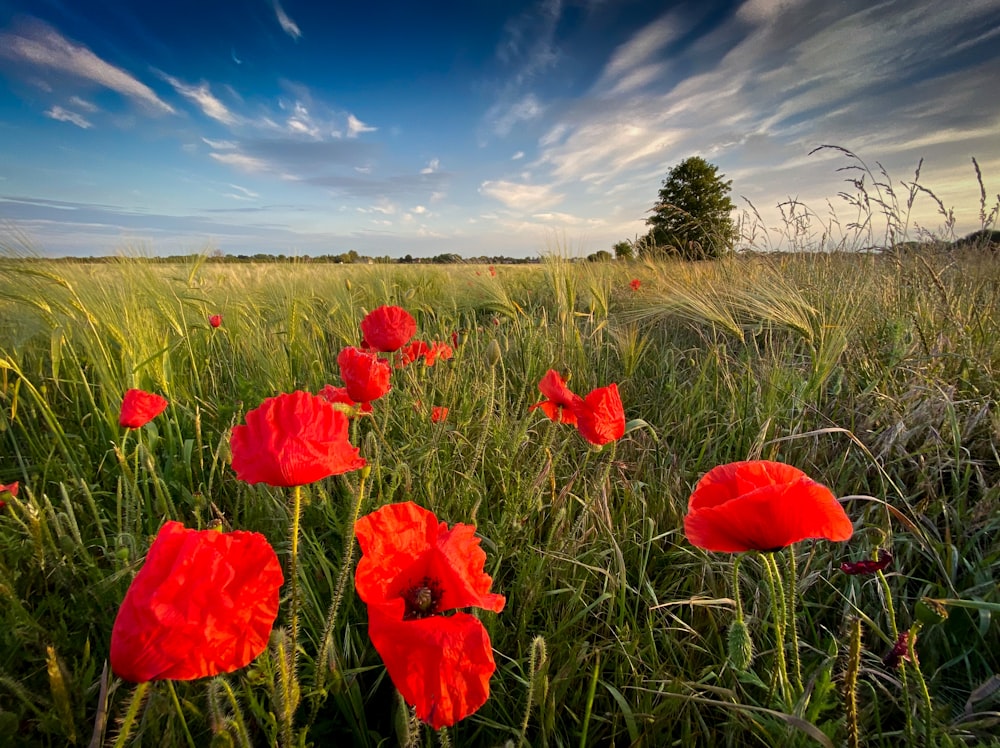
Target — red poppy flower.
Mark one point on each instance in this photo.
(365, 375)
(215, 320)
(412, 570)
(388, 328)
(202, 604)
(868, 565)
(761, 505)
(291, 440)
(139, 408)
(561, 401)
(493, 271)
(339, 396)
(635, 284)
(600, 416)
(411, 352)
(438, 413)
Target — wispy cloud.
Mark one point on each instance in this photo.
(242, 193)
(433, 166)
(521, 196)
(242, 161)
(355, 127)
(220, 145)
(40, 45)
(64, 115)
(83, 104)
(203, 97)
(287, 24)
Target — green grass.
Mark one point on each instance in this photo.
(877, 375)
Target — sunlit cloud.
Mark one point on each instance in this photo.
(520, 196)
(432, 166)
(40, 45)
(287, 24)
(203, 97)
(355, 127)
(64, 115)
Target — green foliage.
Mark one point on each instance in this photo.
(692, 218)
(624, 250)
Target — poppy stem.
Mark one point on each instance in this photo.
(778, 612)
(338, 593)
(293, 566)
(790, 606)
(890, 609)
(851, 685)
(135, 705)
(180, 713)
(736, 587)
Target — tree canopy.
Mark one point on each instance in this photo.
(693, 216)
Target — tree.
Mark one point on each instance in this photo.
(693, 216)
(601, 255)
(624, 250)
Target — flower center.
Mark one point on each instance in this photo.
(422, 599)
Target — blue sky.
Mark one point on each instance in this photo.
(487, 127)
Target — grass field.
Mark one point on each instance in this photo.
(877, 375)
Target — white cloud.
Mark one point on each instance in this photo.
(432, 166)
(504, 117)
(241, 161)
(220, 145)
(82, 104)
(202, 96)
(419, 210)
(520, 196)
(287, 24)
(43, 46)
(355, 127)
(517, 156)
(64, 115)
(245, 194)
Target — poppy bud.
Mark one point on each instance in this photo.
(740, 646)
(493, 353)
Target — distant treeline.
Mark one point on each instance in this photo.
(348, 258)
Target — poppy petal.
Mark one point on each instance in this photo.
(761, 505)
(404, 543)
(388, 328)
(601, 416)
(291, 440)
(441, 665)
(139, 408)
(203, 603)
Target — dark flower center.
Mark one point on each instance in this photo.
(422, 599)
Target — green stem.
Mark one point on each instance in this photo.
(293, 566)
(590, 700)
(778, 612)
(138, 697)
(339, 590)
(851, 685)
(792, 593)
(736, 587)
(180, 713)
(894, 630)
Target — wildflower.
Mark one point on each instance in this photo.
(634, 284)
(291, 440)
(413, 570)
(900, 650)
(438, 413)
(388, 328)
(411, 352)
(202, 604)
(139, 408)
(493, 272)
(11, 488)
(868, 566)
(215, 320)
(339, 396)
(600, 416)
(761, 505)
(561, 403)
(365, 375)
